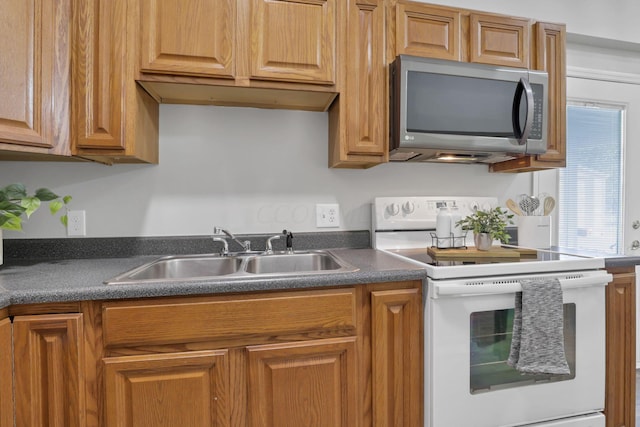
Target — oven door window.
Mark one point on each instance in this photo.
(490, 346)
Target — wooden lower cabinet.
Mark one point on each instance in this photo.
(620, 396)
(341, 357)
(167, 390)
(6, 375)
(308, 383)
(330, 357)
(396, 338)
(49, 373)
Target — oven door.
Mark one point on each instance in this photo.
(468, 340)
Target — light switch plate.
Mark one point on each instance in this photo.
(328, 215)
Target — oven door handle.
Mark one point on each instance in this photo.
(461, 288)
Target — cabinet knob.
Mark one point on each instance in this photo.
(635, 224)
(635, 245)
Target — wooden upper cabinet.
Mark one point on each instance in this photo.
(187, 37)
(499, 40)
(550, 56)
(425, 30)
(49, 370)
(357, 119)
(35, 43)
(293, 40)
(113, 120)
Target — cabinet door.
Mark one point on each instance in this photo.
(49, 373)
(187, 37)
(357, 119)
(424, 30)
(499, 40)
(34, 76)
(293, 40)
(113, 118)
(302, 384)
(550, 57)
(365, 79)
(6, 375)
(396, 346)
(168, 390)
(620, 395)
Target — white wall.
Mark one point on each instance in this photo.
(249, 170)
(255, 171)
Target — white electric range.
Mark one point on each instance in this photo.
(468, 322)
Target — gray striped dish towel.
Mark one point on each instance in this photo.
(537, 344)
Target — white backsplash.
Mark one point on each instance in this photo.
(244, 169)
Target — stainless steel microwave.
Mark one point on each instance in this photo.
(448, 111)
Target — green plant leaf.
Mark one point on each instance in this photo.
(11, 222)
(15, 191)
(66, 199)
(30, 204)
(55, 206)
(64, 220)
(45, 194)
(13, 208)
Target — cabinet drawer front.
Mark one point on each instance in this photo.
(181, 320)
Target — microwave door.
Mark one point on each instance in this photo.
(522, 132)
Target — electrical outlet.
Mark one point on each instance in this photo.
(76, 225)
(327, 215)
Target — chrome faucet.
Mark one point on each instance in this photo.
(225, 245)
(269, 248)
(246, 244)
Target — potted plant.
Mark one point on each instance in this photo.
(16, 202)
(487, 226)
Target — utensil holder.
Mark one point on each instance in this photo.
(534, 231)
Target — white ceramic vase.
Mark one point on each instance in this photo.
(483, 241)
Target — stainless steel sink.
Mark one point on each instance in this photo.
(183, 267)
(239, 266)
(292, 263)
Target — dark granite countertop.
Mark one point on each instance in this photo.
(67, 280)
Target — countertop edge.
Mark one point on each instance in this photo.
(82, 280)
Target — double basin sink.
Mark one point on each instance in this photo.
(201, 267)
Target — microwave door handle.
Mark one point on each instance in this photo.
(524, 87)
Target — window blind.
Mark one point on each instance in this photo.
(591, 185)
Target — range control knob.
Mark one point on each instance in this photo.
(393, 209)
(408, 207)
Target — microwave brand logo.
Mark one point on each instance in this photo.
(408, 138)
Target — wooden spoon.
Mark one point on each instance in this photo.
(511, 204)
(549, 204)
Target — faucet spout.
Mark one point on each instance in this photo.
(246, 244)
